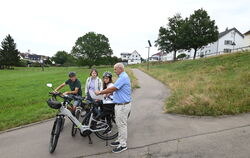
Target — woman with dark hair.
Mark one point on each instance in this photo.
(108, 104)
(93, 83)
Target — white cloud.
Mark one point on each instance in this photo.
(47, 26)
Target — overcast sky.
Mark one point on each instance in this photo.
(46, 26)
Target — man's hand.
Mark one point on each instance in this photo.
(97, 92)
(65, 93)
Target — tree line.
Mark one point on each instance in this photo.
(89, 50)
(193, 32)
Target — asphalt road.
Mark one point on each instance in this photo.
(151, 133)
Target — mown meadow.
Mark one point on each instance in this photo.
(23, 92)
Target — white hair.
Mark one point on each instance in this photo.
(119, 65)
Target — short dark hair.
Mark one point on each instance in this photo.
(93, 70)
(72, 74)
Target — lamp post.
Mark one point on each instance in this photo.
(149, 45)
(233, 44)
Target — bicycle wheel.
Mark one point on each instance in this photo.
(112, 135)
(74, 128)
(55, 133)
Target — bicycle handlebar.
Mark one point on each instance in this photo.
(75, 97)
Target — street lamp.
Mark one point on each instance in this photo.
(149, 45)
(233, 44)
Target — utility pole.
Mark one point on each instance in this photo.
(149, 43)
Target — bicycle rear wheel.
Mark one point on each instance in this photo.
(74, 127)
(55, 133)
(112, 135)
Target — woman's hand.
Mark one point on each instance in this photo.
(97, 93)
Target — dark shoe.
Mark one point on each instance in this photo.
(107, 131)
(114, 144)
(119, 149)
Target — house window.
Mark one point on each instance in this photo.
(228, 42)
(202, 54)
(227, 50)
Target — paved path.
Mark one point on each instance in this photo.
(151, 133)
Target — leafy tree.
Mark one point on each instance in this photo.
(63, 58)
(109, 60)
(171, 38)
(1, 59)
(71, 60)
(48, 61)
(9, 54)
(201, 29)
(181, 56)
(90, 48)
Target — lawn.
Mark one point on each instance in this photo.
(209, 86)
(24, 93)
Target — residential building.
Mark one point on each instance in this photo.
(33, 58)
(125, 56)
(131, 58)
(229, 40)
(156, 57)
(247, 40)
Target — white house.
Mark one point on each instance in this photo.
(131, 58)
(170, 56)
(247, 40)
(125, 56)
(229, 40)
(156, 57)
(33, 58)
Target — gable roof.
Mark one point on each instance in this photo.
(229, 30)
(158, 54)
(135, 52)
(247, 33)
(129, 54)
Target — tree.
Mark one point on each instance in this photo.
(109, 60)
(171, 38)
(182, 56)
(1, 59)
(201, 29)
(47, 61)
(90, 48)
(63, 58)
(9, 54)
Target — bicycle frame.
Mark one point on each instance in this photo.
(65, 112)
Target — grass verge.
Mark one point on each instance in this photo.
(209, 86)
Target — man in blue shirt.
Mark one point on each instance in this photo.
(122, 98)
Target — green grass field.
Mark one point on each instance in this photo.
(23, 92)
(209, 86)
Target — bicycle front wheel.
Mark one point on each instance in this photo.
(55, 133)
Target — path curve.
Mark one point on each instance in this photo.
(151, 133)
